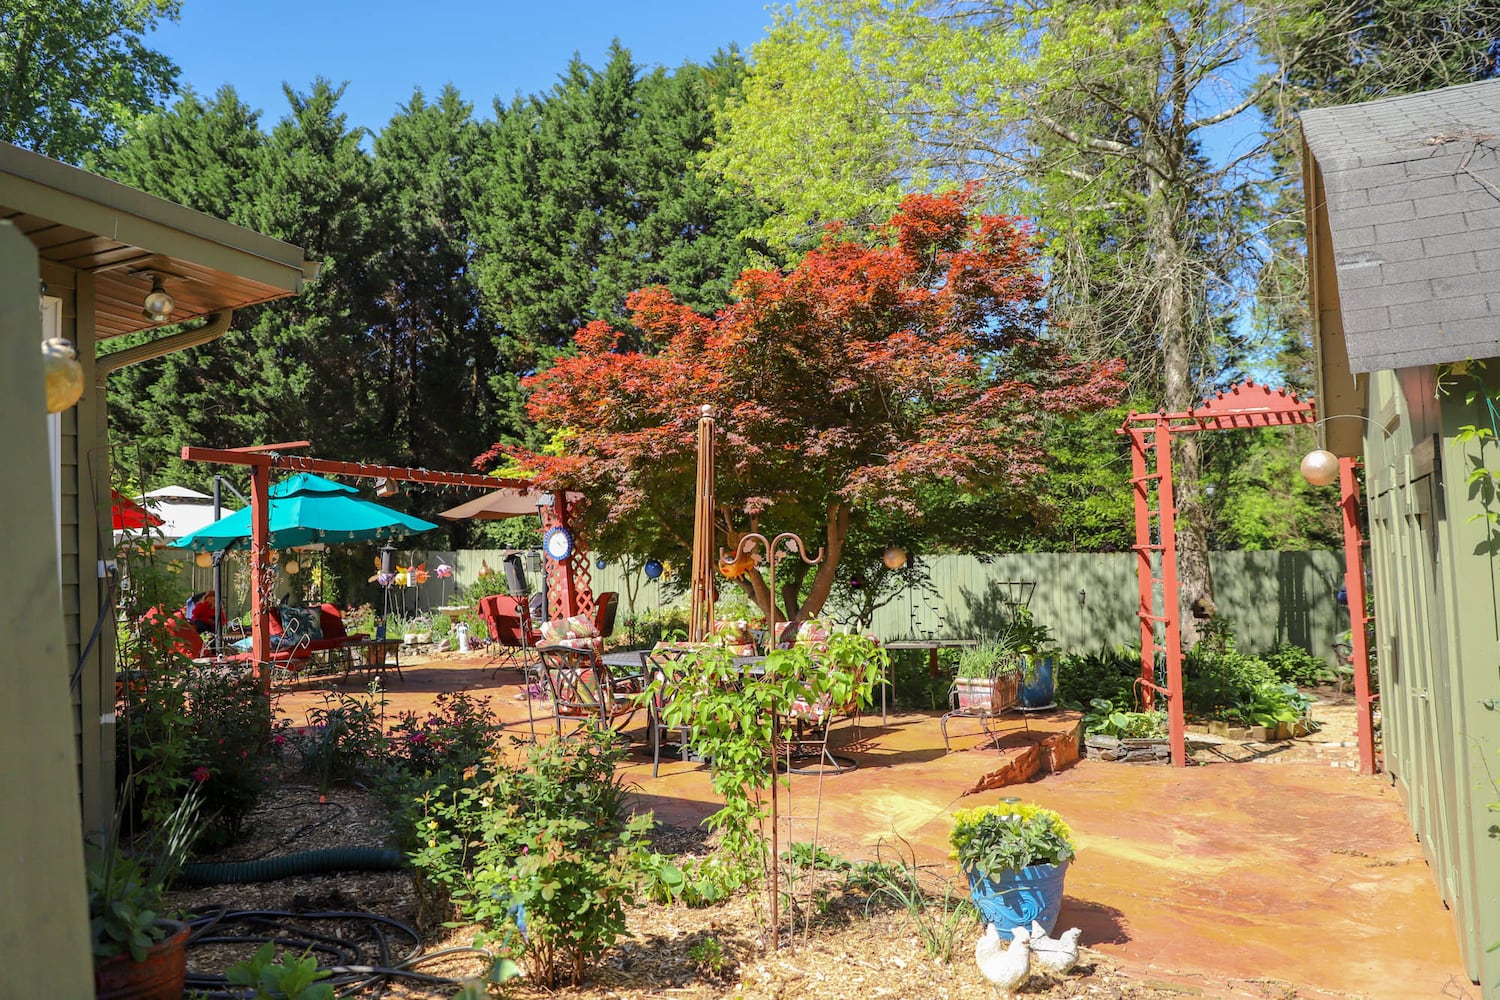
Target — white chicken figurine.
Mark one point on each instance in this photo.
(1007, 968)
(1055, 955)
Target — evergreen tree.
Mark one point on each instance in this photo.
(589, 191)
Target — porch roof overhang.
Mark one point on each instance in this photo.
(123, 236)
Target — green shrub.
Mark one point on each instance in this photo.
(544, 855)
(692, 881)
(461, 732)
(1295, 665)
(1218, 678)
(1272, 703)
(345, 739)
(1106, 720)
(653, 625)
(1109, 674)
(183, 723)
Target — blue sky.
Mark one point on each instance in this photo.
(486, 48)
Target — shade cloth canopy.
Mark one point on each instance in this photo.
(129, 515)
(501, 504)
(306, 509)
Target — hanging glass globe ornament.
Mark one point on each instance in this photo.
(62, 374)
(291, 567)
(894, 558)
(203, 560)
(1320, 468)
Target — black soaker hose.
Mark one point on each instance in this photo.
(336, 859)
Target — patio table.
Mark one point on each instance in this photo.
(932, 646)
(373, 654)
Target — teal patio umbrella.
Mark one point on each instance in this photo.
(306, 509)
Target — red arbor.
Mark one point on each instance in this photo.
(1244, 406)
(860, 378)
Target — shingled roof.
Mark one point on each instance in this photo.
(1413, 204)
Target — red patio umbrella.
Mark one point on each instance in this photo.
(129, 514)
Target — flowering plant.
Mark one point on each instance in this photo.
(1009, 837)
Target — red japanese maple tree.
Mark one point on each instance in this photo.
(856, 379)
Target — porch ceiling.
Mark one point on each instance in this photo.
(122, 236)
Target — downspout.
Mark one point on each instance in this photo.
(212, 330)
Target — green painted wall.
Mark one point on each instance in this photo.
(1437, 605)
(44, 945)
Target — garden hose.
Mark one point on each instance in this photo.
(336, 859)
(351, 971)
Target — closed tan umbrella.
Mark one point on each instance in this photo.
(701, 612)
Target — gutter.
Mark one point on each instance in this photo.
(217, 324)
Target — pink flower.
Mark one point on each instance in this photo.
(200, 774)
(279, 739)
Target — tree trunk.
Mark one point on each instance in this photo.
(1174, 329)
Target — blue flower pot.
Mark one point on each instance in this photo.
(1041, 690)
(1015, 898)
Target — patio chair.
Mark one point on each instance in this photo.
(508, 620)
(664, 664)
(605, 607)
(583, 691)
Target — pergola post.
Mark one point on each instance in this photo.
(260, 544)
(1171, 605)
(1354, 590)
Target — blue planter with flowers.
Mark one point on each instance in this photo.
(1015, 855)
(1011, 899)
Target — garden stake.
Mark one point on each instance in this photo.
(795, 544)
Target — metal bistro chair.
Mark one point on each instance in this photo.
(583, 690)
(666, 664)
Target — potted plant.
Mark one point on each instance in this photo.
(987, 678)
(1015, 855)
(1030, 644)
(138, 953)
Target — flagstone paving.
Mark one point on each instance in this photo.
(1287, 866)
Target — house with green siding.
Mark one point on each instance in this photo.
(1403, 242)
(78, 257)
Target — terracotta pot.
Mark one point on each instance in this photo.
(162, 976)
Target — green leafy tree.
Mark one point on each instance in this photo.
(294, 368)
(432, 344)
(74, 73)
(1094, 117)
(1350, 53)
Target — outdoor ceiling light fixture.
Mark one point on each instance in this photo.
(158, 305)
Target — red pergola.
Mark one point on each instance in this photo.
(1245, 406)
(567, 582)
